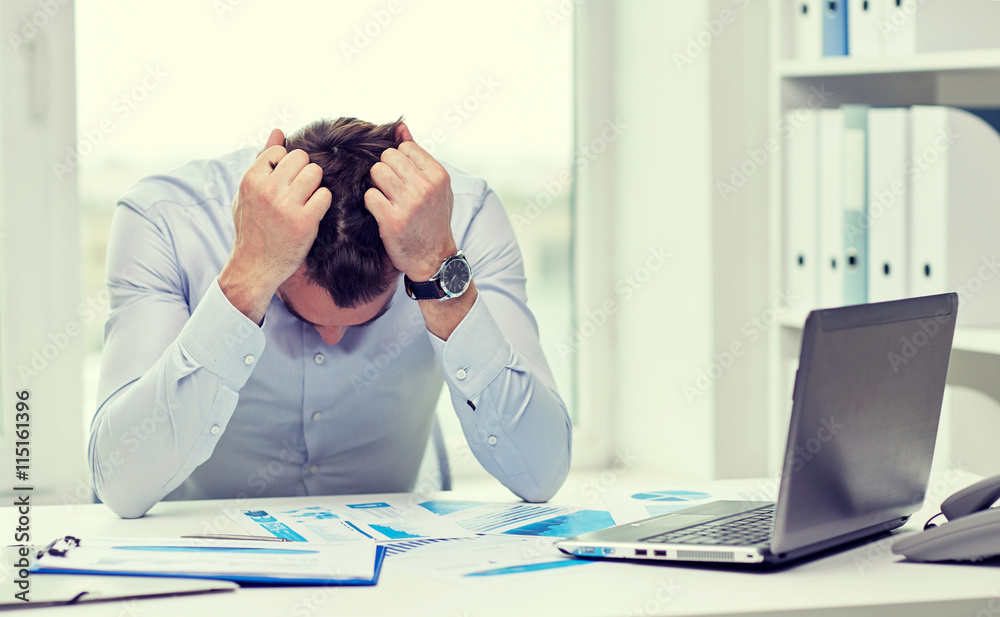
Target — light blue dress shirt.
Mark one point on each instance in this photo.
(196, 401)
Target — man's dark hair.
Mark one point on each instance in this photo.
(348, 258)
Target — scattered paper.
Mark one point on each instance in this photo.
(374, 520)
(485, 558)
(628, 506)
(520, 519)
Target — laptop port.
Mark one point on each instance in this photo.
(640, 552)
(659, 553)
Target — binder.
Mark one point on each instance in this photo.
(888, 203)
(294, 563)
(807, 16)
(835, 28)
(802, 209)
(899, 29)
(831, 207)
(864, 36)
(955, 188)
(64, 589)
(855, 204)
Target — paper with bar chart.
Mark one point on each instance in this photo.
(370, 520)
(520, 519)
(486, 558)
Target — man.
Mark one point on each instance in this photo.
(263, 341)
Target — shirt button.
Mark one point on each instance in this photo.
(317, 415)
(215, 429)
(314, 469)
(492, 440)
(248, 359)
(461, 374)
(319, 358)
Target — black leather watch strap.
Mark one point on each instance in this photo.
(427, 290)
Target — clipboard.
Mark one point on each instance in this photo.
(244, 562)
(73, 589)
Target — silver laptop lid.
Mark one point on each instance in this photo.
(865, 413)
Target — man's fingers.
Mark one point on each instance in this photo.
(305, 184)
(376, 203)
(403, 132)
(386, 180)
(269, 159)
(290, 167)
(420, 157)
(277, 138)
(318, 204)
(401, 164)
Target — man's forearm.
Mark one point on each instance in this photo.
(442, 317)
(246, 291)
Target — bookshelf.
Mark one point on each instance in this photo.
(957, 78)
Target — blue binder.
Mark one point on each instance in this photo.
(834, 27)
(259, 562)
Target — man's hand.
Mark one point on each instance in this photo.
(277, 213)
(412, 202)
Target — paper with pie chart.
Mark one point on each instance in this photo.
(628, 506)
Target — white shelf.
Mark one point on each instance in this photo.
(946, 61)
(979, 340)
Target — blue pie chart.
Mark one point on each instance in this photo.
(670, 496)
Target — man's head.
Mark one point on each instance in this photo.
(347, 276)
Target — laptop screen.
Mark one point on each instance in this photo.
(865, 413)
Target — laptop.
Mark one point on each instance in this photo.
(865, 410)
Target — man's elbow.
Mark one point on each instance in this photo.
(547, 484)
(115, 495)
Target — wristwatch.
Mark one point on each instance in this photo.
(451, 281)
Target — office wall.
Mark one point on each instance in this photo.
(744, 297)
(663, 242)
(40, 312)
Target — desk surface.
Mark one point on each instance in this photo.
(867, 580)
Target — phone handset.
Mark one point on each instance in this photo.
(972, 532)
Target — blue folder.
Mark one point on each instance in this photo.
(834, 27)
(48, 559)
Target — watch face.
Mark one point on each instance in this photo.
(456, 277)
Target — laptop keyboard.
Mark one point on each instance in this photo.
(753, 527)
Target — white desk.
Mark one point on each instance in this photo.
(869, 580)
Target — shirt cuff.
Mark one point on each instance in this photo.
(222, 339)
(475, 353)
